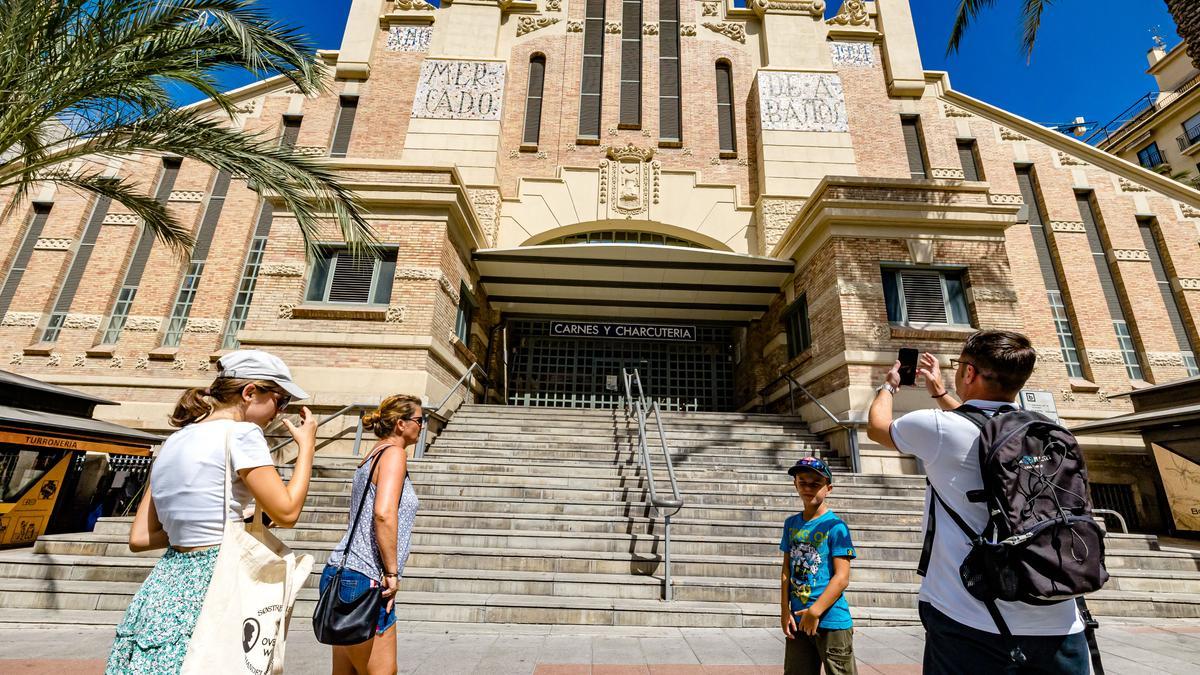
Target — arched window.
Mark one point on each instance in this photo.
(725, 132)
(623, 237)
(533, 100)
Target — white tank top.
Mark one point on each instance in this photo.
(188, 479)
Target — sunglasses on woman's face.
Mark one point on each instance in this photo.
(281, 401)
(419, 419)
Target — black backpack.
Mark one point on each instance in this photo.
(1041, 544)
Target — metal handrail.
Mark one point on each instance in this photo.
(1120, 518)
(657, 503)
(847, 425)
(467, 377)
(358, 431)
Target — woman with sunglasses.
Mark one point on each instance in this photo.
(374, 559)
(183, 510)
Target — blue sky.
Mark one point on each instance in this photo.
(1090, 59)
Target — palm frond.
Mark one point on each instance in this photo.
(968, 11)
(1032, 21)
(155, 218)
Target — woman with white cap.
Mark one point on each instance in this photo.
(184, 508)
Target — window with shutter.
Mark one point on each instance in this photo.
(466, 313)
(914, 146)
(1108, 286)
(137, 263)
(631, 65)
(968, 156)
(291, 131)
(1151, 234)
(725, 132)
(66, 294)
(37, 223)
(923, 296)
(669, 125)
(533, 100)
(593, 70)
(799, 337)
(186, 296)
(245, 295)
(339, 276)
(347, 108)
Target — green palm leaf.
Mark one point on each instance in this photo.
(969, 10)
(88, 80)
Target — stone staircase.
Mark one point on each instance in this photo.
(538, 515)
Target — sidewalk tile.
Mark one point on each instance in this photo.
(52, 666)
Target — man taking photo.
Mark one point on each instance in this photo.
(961, 636)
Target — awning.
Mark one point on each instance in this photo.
(87, 431)
(630, 281)
(1142, 421)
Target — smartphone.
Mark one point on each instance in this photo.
(908, 366)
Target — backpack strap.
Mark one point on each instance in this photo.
(972, 414)
(1089, 632)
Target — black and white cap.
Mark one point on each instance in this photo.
(253, 364)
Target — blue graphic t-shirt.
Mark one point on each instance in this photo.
(813, 545)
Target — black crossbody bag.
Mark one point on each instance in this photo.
(337, 622)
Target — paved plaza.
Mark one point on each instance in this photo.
(446, 649)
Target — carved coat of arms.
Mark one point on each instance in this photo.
(626, 178)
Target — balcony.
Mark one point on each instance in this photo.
(1189, 138)
(1141, 110)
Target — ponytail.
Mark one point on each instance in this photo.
(194, 405)
(383, 419)
(198, 403)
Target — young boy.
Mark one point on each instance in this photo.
(816, 570)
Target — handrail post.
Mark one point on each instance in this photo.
(667, 557)
(358, 433)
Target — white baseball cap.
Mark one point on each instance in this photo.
(253, 364)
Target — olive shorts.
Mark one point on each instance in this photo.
(834, 649)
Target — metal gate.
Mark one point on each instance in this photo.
(572, 372)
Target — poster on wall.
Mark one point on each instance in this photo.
(28, 517)
(1181, 481)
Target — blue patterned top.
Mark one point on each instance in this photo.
(812, 545)
(364, 550)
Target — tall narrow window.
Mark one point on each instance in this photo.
(593, 70)
(466, 314)
(291, 131)
(533, 100)
(245, 294)
(41, 212)
(631, 64)
(1108, 286)
(137, 264)
(725, 129)
(347, 108)
(191, 280)
(914, 146)
(670, 128)
(799, 336)
(1150, 229)
(1050, 274)
(968, 156)
(66, 294)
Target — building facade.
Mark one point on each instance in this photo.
(1161, 130)
(720, 197)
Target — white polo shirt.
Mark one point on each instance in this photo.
(945, 442)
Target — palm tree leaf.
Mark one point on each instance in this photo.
(968, 11)
(1032, 20)
(154, 215)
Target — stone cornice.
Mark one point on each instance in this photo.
(813, 8)
(891, 208)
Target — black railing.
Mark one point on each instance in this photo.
(1189, 138)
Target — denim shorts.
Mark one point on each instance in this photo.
(353, 586)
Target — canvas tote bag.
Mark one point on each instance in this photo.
(244, 619)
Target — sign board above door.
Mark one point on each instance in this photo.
(623, 331)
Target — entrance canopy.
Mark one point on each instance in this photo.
(630, 280)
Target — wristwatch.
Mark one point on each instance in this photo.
(886, 386)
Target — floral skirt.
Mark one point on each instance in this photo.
(153, 636)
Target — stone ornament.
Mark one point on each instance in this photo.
(309, 150)
(708, 9)
(283, 270)
(409, 38)
(1188, 211)
(115, 362)
(1073, 226)
(612, 27)
(993, 294)
(1165, 359)
(1000, 199)
(528, 24)
(121, 219)
(649, 29)
(25, 319)
(953, 111)
(574, 26)
(186, 196)
(629, 174)
(796, 101)
(553, 5)
(852, 13)
(687, 30)
(203, 326)
(947, 173)
(859, 289)
(285, 310)
(1127, 185)
(395, 314)
(54, 360)
(84, 321)
(142, 363)
(202, 366)
(1189, 284)
(1007, 134)
(52, 244)
(733, 31)
(178, 364)
(1069, 160)
(16, 358)
(418, 273)
(813, 8)
(448, 288)
(143, 324)
(80, 360)
(656, 180)
(414, 6)
(459, 90)
(1131, 254)
(1107, 357)
(853, 54)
